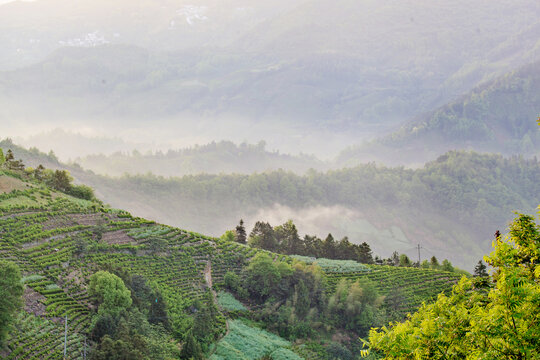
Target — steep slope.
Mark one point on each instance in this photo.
(292, 66)
(451, 206)
(59, 242)
(498, 116)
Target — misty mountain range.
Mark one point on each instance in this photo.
(292, 73)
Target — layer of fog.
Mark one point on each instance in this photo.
(341, 221)
(73, 139)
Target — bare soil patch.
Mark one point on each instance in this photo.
(8, 184)
(118, 237)
(34, 302)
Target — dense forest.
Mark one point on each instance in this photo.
(451, 204)
(117, 278)
(133, 289)
(495, 117)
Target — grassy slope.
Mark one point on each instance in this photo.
(38, 231)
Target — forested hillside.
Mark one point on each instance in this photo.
(497, 117)
(132, 288)
(279, 71)
(451, 206)
(213, 158)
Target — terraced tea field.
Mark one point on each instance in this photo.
(59, 241)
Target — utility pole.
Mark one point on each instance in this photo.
(418, 255)
(65, 338)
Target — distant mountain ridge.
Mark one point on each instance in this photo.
(286, 66)
(453, 204)
(498, 116)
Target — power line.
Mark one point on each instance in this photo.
(65, 337)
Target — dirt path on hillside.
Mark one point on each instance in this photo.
(208, 279)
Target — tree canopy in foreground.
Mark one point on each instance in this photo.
(500, 323)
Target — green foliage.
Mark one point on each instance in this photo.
(81, 192)
(248, 343)
(337, 266)
(240, 233)
(2, 157)
(109, 349)
(232, 281)
(229, 235)
(263, 236)
(355, 306)
(262, 276)
(59, 180)
(404, 260)
(110, 293)
(191, 350)
(285, 239)
(228, 302)
(11, 290)
(336, 351)
(501, 322)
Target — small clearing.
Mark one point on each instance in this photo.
(118, 237)
(8, 184)
(34, 302)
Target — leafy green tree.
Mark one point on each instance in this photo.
(38, 172)
(132, 348)
(109, 292)
(11, 291)
(404, 260)
(229, 235)
(191, 350)
(355, 306)
(232, 281)
(81, 191)
(61, 180)
(501, 323)
(2, 157)
(9, 157)
(241, 233)
(262, 275)
(395, 258)
(447, 266)
(336, 351)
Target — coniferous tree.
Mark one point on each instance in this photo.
(329, 247)
(9, 156)
(241, 233)
(262, 236)
(38, 172)
(365, 255)
(287, 238)
(480, 270)
(481, 276)
(434, 263)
